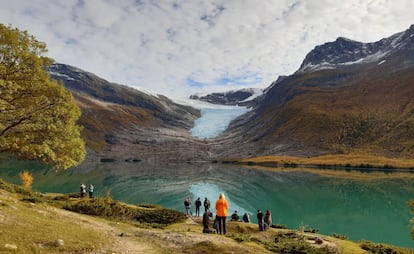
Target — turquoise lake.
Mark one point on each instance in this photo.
(360, 205)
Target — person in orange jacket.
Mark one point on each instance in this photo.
(221, 213)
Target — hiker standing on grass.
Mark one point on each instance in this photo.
(90, 190)
(187, 205)
(206, 204)
(268, 219)
(82, 190)
(221, 211)
(260, 220)
(197, 205)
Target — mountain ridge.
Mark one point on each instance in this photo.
(363, 107)
(344, 51)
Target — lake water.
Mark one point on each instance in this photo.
(360, 205)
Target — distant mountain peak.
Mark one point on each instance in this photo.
(233, 97)
(345, 52)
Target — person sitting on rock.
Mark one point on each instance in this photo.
(246, 218)
(235, 216)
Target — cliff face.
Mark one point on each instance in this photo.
(346, 97)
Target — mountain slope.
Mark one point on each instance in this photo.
(126, 124)
(347, 97)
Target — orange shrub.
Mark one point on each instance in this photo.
(27, 180)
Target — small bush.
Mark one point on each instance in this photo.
(241, 238)
(62, 198)
(378, 248)
(27, 180)
(149, 206)
(33, 199)
(281, 226)
(313, 230)
(342, 237)
(116, 210)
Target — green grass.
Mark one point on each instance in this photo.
(378, 248)
(34, 228)
(107, 208)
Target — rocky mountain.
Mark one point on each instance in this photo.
(347, 97)
(242, 97)
(122, 123)
(344, 52)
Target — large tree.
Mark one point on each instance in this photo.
(37, 115)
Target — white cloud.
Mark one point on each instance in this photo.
(166, 46)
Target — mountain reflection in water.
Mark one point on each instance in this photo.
(360, 205)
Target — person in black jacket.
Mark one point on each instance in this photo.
(235, 216)
(187, 205)
(197, 205)
(206, 221)
(206, 204)
(246, 218)
(260, 220)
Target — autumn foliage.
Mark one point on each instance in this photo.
(27, 180)
(37, 115)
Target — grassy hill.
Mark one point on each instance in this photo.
(55, 223)
(365, 109)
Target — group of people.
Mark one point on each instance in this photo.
(222, 207)
(83, 190)
(187, 206)
(264, 221)
(235, 217)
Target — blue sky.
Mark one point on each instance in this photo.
(181, 47)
